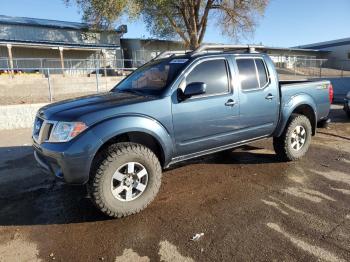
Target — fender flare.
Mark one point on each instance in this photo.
(113, 127)
(289, 107)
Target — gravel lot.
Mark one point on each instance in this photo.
(249, 206)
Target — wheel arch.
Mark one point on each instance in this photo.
(137, 129)
(303, 105)
(137, 137)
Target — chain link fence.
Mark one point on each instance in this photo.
(34, 80)
(67, 66)
(296, 67)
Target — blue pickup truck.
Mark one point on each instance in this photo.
(176, 107)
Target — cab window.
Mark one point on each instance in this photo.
(213, 73)
(252, 73)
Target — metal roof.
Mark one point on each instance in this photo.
(293, 49)
(326, 44)
(28, 21)
(42, 22)
(49, 44)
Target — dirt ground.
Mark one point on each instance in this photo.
(249, 206)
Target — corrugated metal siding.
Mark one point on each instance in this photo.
(38, 34)
(4, 19)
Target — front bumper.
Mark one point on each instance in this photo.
(70, 161)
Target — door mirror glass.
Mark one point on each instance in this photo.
(195, 88)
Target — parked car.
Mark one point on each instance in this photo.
(174, 108)
(347, 105)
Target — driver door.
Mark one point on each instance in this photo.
(209, 120)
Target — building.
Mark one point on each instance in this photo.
(29, 44)
(338, 52)
(39, 43)
(137, 51)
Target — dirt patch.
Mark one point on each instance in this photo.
(246, 202)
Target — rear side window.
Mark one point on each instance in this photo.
(252, 73)
(247, 74)
(213, 73)
(263, 79)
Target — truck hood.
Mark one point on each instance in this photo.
(74, 109)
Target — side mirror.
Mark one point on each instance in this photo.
(195, 88)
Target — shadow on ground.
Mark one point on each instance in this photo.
(338, 115)
(30, 197)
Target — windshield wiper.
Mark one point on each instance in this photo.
(132, 91)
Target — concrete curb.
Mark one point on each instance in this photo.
(18, 116)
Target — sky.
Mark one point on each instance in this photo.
(285, 23)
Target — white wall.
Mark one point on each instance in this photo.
(18, 116)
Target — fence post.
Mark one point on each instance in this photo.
(41, 67)
(97, 67)
(295, 69)
(320, 69)
(49, 83)
(342, 69)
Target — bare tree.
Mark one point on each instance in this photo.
(187, 19)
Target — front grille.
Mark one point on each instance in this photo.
(42, 130)
(37, 127)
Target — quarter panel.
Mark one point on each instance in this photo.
(289, 106)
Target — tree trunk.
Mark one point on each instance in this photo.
(194, 42)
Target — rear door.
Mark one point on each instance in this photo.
(258, 97)
(206, 121)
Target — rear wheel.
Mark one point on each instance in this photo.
(126, 180)
(295, 140)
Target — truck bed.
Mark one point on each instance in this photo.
(316, 90)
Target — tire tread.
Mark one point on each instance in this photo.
(280, 144)
(108, 156)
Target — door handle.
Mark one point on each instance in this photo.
(230, 102)
(269, 97)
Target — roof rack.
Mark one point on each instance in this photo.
(165, 54)
(209, 47)
(223, 47)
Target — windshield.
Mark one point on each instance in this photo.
(153, 77)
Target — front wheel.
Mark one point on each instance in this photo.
(295, 141)
(126, 180)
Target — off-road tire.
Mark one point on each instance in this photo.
(282, 144)
(102, 171)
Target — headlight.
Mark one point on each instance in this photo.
(65, 131)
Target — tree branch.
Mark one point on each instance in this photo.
(177, 29)
(204, 20)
